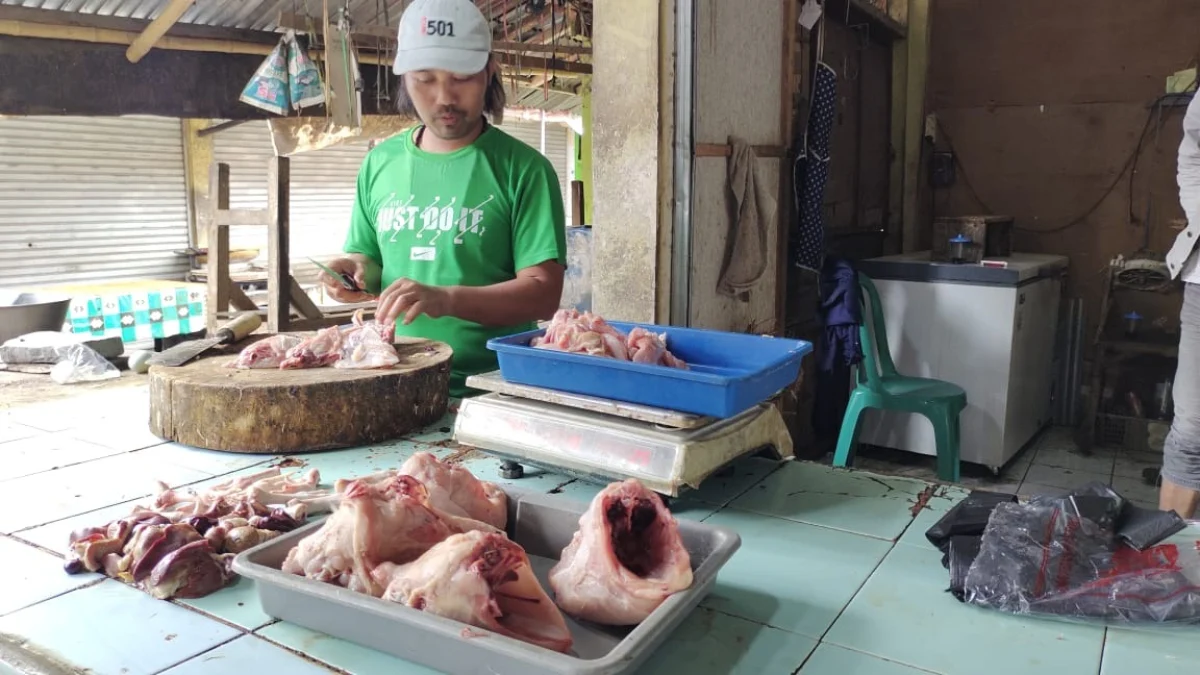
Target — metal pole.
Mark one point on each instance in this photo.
(681, 232)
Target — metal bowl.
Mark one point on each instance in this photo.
(22, 313)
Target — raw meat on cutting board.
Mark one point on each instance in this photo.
(268, 353)
(585, 333)
(625, 560)
(484, 580)
(388, 521)
(322, 349)
(368, 345)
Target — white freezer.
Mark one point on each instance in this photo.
(990, 331)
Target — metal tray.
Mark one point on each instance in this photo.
(542, 525)
(728, 372)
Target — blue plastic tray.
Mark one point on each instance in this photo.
(729, 372)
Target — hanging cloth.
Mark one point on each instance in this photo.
(811, 169)
(746, 242)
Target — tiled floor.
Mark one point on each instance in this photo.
(834, 575)
(1051, 464)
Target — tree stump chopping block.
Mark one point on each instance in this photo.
(206, 404)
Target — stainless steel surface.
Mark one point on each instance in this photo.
(682, 162)
(608, 448)
(1070, 372)
(542, 525)
(85, 200)
(493, 382)
(22, 313)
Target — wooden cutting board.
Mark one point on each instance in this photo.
(204, 404)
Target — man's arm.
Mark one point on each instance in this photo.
(1189, 163)
(534, 295)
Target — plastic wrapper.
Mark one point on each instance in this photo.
(268, 87)
(1062, 557)
(304, 80)
(967, 518)
(83, 364)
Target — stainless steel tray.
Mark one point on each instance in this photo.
(542, 525)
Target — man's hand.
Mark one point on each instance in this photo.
(412, 299)
(334, 287)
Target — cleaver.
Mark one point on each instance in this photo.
(237, 329)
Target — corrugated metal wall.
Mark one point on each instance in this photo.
(91, 199)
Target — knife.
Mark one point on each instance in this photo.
(237, 329)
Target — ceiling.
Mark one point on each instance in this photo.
(556, 22)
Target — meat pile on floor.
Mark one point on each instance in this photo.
(361, 345)
(431, 536)
(182, 543)
(585, 333)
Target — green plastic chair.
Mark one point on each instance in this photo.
(882, 388)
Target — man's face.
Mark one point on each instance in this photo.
(450, 104)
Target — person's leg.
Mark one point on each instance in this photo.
(1181, 452)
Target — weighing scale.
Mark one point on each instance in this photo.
(600, 440)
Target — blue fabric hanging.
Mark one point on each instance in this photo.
(811, 172)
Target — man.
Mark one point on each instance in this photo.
(457, 227)
(1181, 451)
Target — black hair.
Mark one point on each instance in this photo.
(494, 98)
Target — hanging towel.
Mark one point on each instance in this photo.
(811, 172)
(746, 245)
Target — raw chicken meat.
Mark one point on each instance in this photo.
(389, 521)
(646, 347)
(483, 580)
(268, 353)
(368, 345)
(455, 490)
(585, 333)
(322, 349)
(626, 558)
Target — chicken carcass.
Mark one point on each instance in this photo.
(455, 490)
(390, 521)
(585, 333)
(322, 349)
(626, 558)
(484, 580)
(368, 345)
(646, 347)
(268, 353)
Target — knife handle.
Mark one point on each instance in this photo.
(238, 328)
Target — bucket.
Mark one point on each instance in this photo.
(22, 313)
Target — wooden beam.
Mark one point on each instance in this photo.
(371, 35)
(917, 68)
(279, 278)
(785, 208)
(374, 32)
(162, 23)
(52, 17)
(218, 283)
(303, 304)
(219, 127)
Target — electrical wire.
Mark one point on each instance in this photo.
(1127, 166)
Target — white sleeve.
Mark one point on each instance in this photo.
(1189, 163)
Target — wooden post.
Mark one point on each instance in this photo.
(916, 69)
(218, 282)
(279, 281)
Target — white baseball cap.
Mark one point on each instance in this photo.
(448, 35)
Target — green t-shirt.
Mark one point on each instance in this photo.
(472, 217)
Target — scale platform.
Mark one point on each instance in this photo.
(599, 440)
